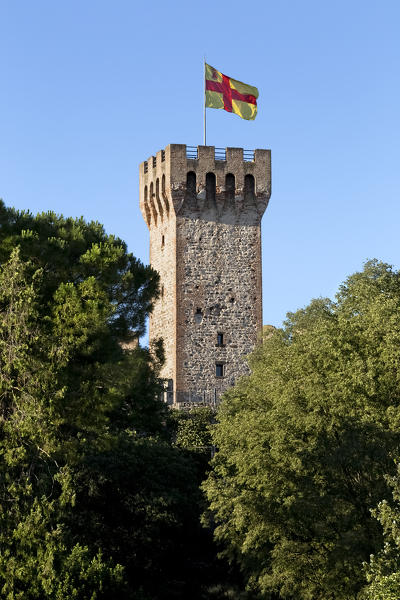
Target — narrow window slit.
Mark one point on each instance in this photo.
(219, 369)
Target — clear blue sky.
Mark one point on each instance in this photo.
(91, 88)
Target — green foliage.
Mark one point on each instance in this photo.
(73, 387)
(72, 252)
(140, 502)
(193, 429)
(304, 443)
(39, 559)
(383, 570)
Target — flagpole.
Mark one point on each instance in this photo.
(205, 128)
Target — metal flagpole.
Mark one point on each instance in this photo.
(205, 129)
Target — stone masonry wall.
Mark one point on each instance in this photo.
(157, 210)
(220, 269)
(205, 241)
(162, 322)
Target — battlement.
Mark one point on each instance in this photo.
(222, 185)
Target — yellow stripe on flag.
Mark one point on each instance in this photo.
(244, 109)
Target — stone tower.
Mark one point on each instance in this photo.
(203, 207)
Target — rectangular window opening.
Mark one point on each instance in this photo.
(220, 339)
(219, 369)
(170, 391)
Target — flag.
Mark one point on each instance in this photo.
(229, 94)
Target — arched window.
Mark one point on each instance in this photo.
(249, 187)
(210, 187)
(190, 194)
(230, 186)
(191, 183)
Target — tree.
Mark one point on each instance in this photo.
(216, 579)
(383, 569)
(192, 429)
(74, 387)
(304, 443)
(139, 502)
(38, 558)
(71, 252)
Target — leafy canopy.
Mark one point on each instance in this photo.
(305, 440)
(74, 386)
(72, 252)
(383, 569)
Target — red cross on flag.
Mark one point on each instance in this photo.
(229, 94)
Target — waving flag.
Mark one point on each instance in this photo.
(229, 94)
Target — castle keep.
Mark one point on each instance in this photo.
(203, 207)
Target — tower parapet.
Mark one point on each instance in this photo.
(203, 207)
(221, 186)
